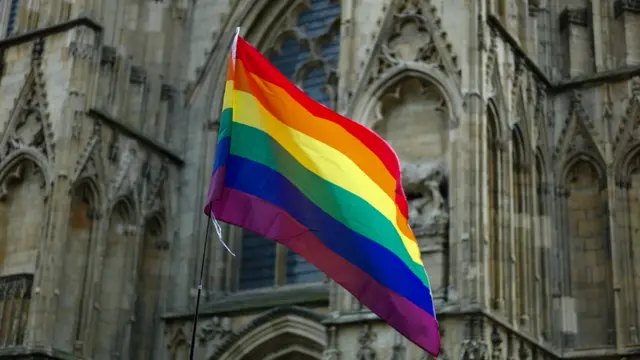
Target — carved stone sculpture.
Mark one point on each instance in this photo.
(366, 339)
(474, 350)
(214, 332)
(425, 186)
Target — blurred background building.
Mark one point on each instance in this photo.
(517, 123)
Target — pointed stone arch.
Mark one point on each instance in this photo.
(365, 106)
(595, 161)
(89, 166)
(10, 164)
(286, 329)
(29, 126)
(578, 136)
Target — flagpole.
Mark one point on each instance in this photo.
(197, 311)
(196, 314)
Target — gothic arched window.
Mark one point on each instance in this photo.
(308, 56)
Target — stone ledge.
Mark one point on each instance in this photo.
(135, 134)
(35, 353)
(597, 78)
(517, 49)
(599, 353)
(261, 299)
(50, 30)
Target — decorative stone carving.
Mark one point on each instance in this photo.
(138, 75)
(122, 157)
(622, 6)
(28, 128)
(76, 108)
(36, 52)
(578, 133)
(27, 132)
(214, 332)
(523, 352)
(415, 35)
(635, 86)
(88, 164)
(426, 188)
(496, 344)
(474, 350)
(366, 339)
(83, 46)
(167, 92)
(176, 339)
(16, 175)
(108, 56)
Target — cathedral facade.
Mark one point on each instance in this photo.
(517, 123)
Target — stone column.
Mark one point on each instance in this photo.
(348, 51)
(470, 185)
(609, 196)
(630, 262)
(567, 304)
(510, 235)
(547, 237)
(43, 306)
(94, 277)
(502, 210)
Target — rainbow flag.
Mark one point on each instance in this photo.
(328, 188)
